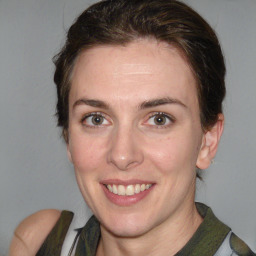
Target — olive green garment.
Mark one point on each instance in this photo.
(205, 242)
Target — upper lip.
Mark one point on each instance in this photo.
(125, 182)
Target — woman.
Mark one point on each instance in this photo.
(140, 87)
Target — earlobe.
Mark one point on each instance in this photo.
(66, 137)
(69, 154)
(210, 144)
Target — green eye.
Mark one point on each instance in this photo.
(97, 120)
(160, 119)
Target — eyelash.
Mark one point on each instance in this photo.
(152, 115)
(162, 114)
(93, 114)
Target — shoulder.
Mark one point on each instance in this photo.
(32, 231)
(233, 245)
(239, 246)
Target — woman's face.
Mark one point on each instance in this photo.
(134, 134)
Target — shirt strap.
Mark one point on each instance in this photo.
(54, 241)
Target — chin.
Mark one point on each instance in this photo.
(127, 225)
(127, 230)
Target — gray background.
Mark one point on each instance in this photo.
(35, 173)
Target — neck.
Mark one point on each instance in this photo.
(166, 239)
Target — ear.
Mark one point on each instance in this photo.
(210, 142)
(69, 154)
(66, 138)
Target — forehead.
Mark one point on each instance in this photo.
(140, 70)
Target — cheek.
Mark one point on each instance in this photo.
(87, 154)
(174, 154)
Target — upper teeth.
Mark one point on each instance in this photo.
(129, 190)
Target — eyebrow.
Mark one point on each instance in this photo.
(92, 103)
(159, 102)
(143, 105)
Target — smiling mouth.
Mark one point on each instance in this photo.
(128, 190)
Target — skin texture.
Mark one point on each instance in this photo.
(128, 145)
(126, 87)
(32, 231)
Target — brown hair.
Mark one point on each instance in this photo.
(118, 22)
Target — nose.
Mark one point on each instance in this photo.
(125, 151)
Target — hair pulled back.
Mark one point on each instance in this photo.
(118, 22)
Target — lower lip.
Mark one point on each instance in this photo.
(126, 200)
